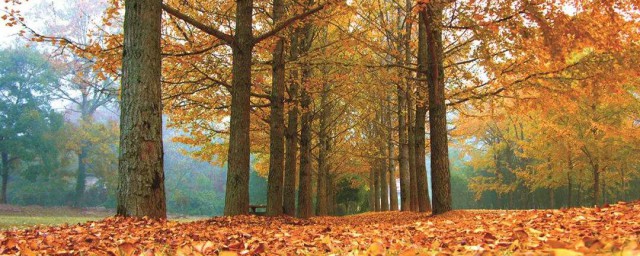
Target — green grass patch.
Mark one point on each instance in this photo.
(22, 217)
(20, 222)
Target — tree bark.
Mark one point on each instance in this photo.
(384, 186)
(81, 174)
(596, 184)
(331, 191)
(424, 202)
(304, 192)
(412, 152)
(141, 175)
(372, 190)
(403, 149)
(291, 136)
(376, 180)
(322, 204)
(391, 168)
(570, 188)
(276, 121)
(237, 192)
(5, 178)
(440, 176)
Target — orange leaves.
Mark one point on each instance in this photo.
(579, 231)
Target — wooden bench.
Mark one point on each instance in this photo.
(253, 209)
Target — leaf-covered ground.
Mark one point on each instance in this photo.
(611, 229)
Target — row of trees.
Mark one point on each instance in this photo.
(319, 91)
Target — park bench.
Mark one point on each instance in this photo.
(253, 209)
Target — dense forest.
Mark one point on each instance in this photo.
(320, 107)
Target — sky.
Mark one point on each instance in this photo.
(9, 35)
(54, 8)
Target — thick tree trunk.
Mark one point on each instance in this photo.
(237, 193)
(276, 122)
(81, 174)
(5, 178)
(424, 202)
(141, 176)
(440, 176)
(291, 135)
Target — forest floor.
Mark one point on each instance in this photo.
(605, 230)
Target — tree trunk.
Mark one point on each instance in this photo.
(569, 190)
(424, 202)
(391, 168)
(237, 193)
(440, 176)
(552, 198)
(322, 204)
(376, 179)
(276, 122)
(304, 190)
(5, 178)
(596, 184)
(403, 149)
(372, 190)
(384, 187)
(81, 175)
(331, 192)
(412, 151)
(604, 190)
(291, 135)
(141, 175)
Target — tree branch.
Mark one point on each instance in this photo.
(228, 39)
(286, 23)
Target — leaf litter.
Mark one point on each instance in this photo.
(611, 229)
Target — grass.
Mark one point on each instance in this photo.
(21, 217)
(27, 216)
(20, 222)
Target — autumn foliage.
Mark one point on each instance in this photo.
(609, 229)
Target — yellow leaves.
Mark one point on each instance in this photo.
(376, 249)
(565, 252)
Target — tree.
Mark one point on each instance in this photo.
(242, 43)
(438, 137)
(84, 86)
(276, 122)
(141, 174)
(26, 117)
(424, 203)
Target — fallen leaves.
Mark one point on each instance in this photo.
(579, 231)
